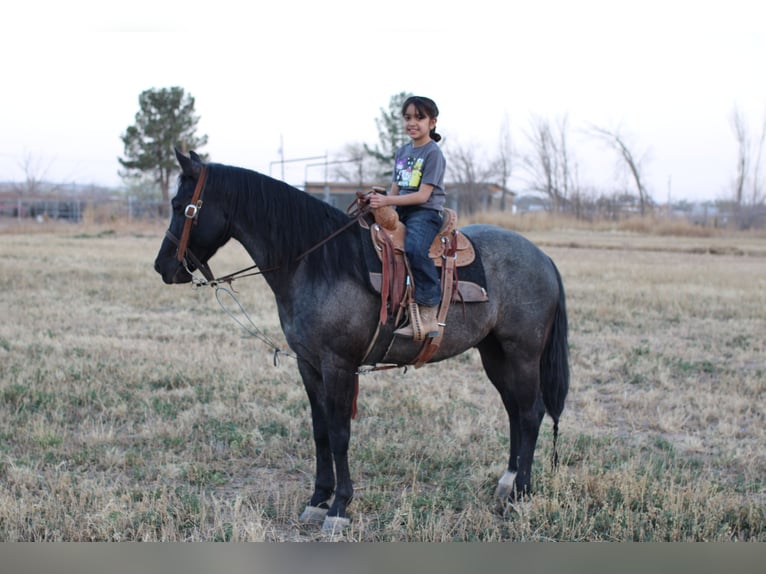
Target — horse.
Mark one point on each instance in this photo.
(311, 259)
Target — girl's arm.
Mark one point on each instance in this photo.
(417, 198)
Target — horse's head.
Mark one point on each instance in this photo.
(197, 228)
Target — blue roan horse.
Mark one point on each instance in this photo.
(329, 314)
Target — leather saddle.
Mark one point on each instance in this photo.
(387, 228)
(449, 251)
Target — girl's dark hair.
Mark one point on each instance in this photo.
(425, 107)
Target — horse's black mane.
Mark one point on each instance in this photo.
(291, 221)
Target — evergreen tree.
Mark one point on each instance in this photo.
(392, 136)
(165, 120)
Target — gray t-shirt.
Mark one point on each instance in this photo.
(424, 164)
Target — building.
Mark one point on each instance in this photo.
(465, 198)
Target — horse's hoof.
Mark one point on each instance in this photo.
(334, 525)
(313, 515)
(505, 486)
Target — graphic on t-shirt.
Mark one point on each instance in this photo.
(409, 172)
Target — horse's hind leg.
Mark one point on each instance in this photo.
(518, 382)
(506, 486)
(530, 413)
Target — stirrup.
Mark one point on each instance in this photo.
(414, 328)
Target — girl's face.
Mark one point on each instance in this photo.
(418, 126)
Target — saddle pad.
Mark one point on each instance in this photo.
(467, 292)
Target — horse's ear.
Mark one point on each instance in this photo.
(190, 166)
(195, 156)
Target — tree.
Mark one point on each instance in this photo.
(355, 165)
(165, 120)
(617, 141)
(391, 134)
(469, 189)
(743, 155)
(749, 160)
(549, 165)
(503, 162)
(34, 176)
(465, 174)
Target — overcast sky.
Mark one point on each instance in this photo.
(315, 74)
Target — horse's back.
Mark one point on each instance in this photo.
(505, 250)
(522, 281)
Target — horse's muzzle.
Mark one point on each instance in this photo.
(172, 271)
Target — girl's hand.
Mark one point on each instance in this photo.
(378, 200)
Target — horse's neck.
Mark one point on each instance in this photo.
(287, 232)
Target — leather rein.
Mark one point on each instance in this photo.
(357, 210)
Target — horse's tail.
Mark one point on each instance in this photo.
(554, 364)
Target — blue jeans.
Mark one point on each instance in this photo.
(422, 227)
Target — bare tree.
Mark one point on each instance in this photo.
(502, 166)
(34, 175)
(743, 155)
(748, 188)
(549, 166)
(748, 184)
(466, 175)
(615, 140)
(757, 197)
(355, 165)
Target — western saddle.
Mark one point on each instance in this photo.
(449, 250)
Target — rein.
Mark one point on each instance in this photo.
(251, 328)
(357, 210)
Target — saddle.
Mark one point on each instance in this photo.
(450, 250)
(388, 227)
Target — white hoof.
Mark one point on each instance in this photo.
(334, 525)
(505, 486)
(313, 515)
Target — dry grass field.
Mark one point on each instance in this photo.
(132, 410)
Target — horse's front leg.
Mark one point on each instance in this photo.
(340, 385)
(331, 397)
(324, 482)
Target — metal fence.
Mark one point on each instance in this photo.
(127, 208)
(81, 209)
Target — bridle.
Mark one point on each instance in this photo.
(184, 255)
(191, 213)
